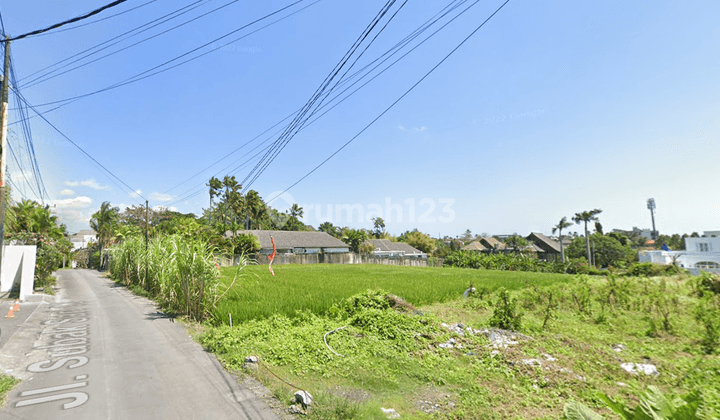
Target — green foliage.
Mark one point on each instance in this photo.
(654, 405)
(608, 251)
(418, 240)
(7, 383)
(647, 269)
(516, 242)
(180, 272)
(317, 287)
(245, 244)
(355, 238)
(707, 283)
(29, 223)
(506, 315)
(707, 314)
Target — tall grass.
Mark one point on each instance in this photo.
(179, 271)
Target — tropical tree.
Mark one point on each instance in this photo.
(587, 217)
(516, 242)
(330, 229)
(215, 186)
(418, 240)
(296, 212)
(231, 197)
(379, 225)
(355, 239)
(104, 222)
(255, 208)
(559, 228)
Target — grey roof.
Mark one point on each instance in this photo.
(288, 239)
(474, 246)
(490, 242)
(547, 244)
(389, 246)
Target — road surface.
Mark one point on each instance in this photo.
(100, 352)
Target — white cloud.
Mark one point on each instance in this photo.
(416, 129)
(67, 192)
(135, 194)
(401, 127)
(162, 197)
(420, 129)
(77, 202)
(90, 183)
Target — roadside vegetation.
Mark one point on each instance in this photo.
(7, 383)
(414, 344)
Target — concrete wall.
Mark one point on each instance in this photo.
(18, 269)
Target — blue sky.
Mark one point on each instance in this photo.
(550, 109)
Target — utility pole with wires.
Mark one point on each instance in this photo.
(651, 207)
(3, 143)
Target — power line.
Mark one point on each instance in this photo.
(144, 75)
(133, 193)
(57, 25)
(394, 103)
(380, 60)
(99, 20)
(45, 77)
(292, 129)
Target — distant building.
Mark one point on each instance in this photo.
(387, 248)
(83, 238)
(290, 242)
(712, 234)
(474, 246)
(547, 248)
(700, 254)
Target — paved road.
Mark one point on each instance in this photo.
(100, 352)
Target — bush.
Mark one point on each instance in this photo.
(506, 315)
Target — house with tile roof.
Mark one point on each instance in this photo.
(291, 242)
(548, 249)
(474, 246)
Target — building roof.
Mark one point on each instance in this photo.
(474, 246)
(289, 239)
(490, 242)
(544, 242)
(388, 246)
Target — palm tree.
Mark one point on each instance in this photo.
(215, 186)
(231, 188)
(103, 223)
(586, 217)
(559, 228)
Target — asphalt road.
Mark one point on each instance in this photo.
(100, 352)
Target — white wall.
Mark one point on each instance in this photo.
(18, 266)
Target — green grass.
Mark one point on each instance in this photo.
(394, 359)
(316, 287)
(7, 383)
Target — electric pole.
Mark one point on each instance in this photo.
(3, 143)
(651, 207)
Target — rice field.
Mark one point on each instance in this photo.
(316, 287)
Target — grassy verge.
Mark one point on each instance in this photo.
(576, 333)
(317, 287)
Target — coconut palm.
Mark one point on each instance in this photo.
(559, 228)
(587, 217)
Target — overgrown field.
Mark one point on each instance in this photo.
(316, 287)
(448, 356)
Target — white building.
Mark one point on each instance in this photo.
(83, 238)
(699, 254)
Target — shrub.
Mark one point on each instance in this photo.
(506, 315)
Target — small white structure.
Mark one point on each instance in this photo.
(83, 238)
(700, 254)
(18, 269)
